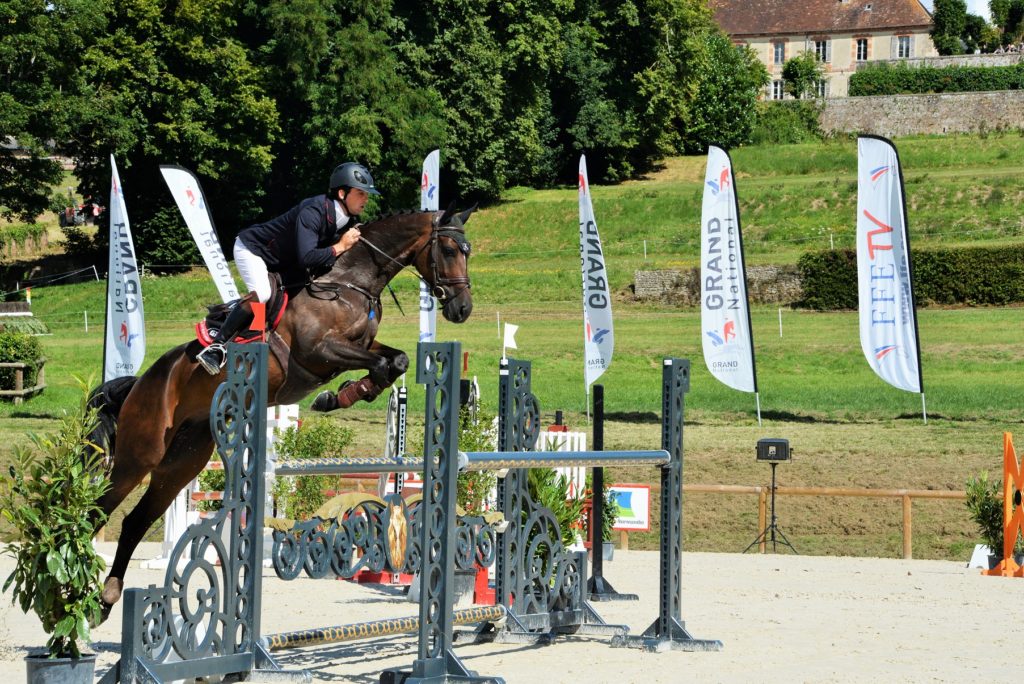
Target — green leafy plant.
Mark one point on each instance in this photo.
(476, 435)
(551, 490)
(985, 503)
(49, 496)
(19, 347)
(322, 437)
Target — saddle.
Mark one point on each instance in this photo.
(218, 313)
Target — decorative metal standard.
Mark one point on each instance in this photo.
(437, 367)
(209, 617)
(537, 579)
(668, 632)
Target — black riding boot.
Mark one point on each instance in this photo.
(213, 357)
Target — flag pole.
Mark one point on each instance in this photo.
(924, 409)
(757, 397)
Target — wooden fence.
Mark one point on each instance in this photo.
(907, 495)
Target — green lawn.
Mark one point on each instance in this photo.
(847, 427)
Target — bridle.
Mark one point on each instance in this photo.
(454, 231)
(457, 233)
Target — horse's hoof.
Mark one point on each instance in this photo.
(325, 401)
(111, 593)
(105, 609)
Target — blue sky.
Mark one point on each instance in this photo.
(978, 7)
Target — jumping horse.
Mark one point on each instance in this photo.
(159, 423)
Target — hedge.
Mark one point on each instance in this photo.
(19, 347)
(966, 275)
(20, 233)
(888, 79)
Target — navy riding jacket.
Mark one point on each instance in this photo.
(298, 241)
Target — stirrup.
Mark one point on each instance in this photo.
(212, 365)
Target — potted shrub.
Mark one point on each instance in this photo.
(49, 497)
(985, 503)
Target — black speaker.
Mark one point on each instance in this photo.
(773, 450)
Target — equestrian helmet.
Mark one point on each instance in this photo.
(352, 175)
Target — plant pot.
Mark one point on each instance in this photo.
(607, 550)
(43, 670)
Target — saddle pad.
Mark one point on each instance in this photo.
(218, 313)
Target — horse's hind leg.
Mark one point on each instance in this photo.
(188, 452)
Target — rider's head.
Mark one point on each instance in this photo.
(352, 185)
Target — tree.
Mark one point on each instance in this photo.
(169, 83)
(999, 9)
(802, 74)
(949, 24)
(978, 35)
(724, 109)
(40, 51)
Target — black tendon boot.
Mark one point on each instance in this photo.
(213, 357)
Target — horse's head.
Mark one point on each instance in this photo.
(443, 263)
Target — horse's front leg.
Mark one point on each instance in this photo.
(385, 365)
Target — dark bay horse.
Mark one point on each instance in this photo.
(159, 423)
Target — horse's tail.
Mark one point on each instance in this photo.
(107, 399)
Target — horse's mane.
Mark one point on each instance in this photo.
(390, 216)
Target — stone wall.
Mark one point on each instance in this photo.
(765, 285)
(896, 115)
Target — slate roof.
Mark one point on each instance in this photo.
(775, 17)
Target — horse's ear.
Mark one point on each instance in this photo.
(464, 216)
(447, 215)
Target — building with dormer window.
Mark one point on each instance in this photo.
(844, 34)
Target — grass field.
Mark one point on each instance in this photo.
(847, 427)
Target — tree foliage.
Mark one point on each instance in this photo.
(730, 85)
(949, 26)
(801, 74)
(262, 100)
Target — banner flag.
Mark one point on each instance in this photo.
(726, 334)
(598, 334)
(888, 320)
(188, 195)
(124, 342)
(430, 188)
(510, 336)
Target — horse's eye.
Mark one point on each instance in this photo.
(449, 253)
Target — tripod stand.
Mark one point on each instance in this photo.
(773, 527)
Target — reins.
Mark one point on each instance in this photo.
(456, 233)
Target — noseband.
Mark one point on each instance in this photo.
(457, 233)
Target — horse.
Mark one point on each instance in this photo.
(159, 423)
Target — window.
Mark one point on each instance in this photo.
(862, 49)
(822, 50)
(902, 47)
(778, 92)
(821, 88)
(780, 52)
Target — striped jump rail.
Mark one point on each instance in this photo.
(494, 460)
(374, 628)
(350, 466)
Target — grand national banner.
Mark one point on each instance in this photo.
(726, 334)
(888, 320)
(124, 343)
(598, 335)
(188, 195)
(430, 188)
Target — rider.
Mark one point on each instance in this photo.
(308, 237)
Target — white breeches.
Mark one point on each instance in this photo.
(253, 271)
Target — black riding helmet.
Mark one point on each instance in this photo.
(352, 175)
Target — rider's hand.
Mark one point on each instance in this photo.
(349, 238)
